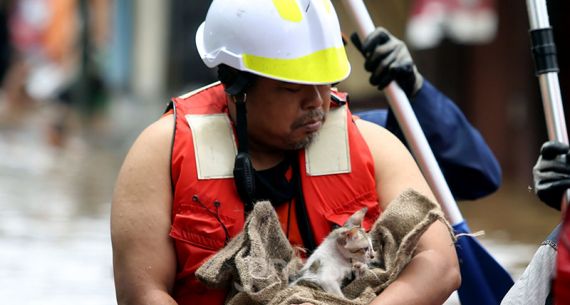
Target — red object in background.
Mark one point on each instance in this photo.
(463, 21)
(27, 23)
(562, 282)
(472, 21)
(426, 25)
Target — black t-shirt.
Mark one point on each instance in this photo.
(272, 184)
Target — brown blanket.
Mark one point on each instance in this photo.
(257, 264)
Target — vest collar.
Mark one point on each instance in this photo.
(215, 145)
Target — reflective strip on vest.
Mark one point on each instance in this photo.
(330, 152)
(214, 144)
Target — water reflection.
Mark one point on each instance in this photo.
(54, 205)
(54, 233)
(515, 223)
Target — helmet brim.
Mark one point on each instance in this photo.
(200, 45)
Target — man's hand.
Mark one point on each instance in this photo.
(551, 174)
(388, 59)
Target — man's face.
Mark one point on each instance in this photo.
(285, 116)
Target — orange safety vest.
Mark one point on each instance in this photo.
(337, 178)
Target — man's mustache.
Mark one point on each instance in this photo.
(311, 116)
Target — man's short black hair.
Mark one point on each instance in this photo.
(235, 81)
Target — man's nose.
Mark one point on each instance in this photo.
(313, 98)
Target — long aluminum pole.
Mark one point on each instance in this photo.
(544, 52)
(409, 124)
(549, 84)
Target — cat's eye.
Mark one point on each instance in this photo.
(361, 250)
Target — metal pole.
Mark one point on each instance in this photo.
(409, 124)
(546, 65)
(549, 84)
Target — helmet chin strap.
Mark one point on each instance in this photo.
(244, 173)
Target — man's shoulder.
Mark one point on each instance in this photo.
(369, 128)
(159, 131)
(376, 136)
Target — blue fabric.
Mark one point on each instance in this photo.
(377, 116)
(552, 238)
(469, 166)
(483, 280)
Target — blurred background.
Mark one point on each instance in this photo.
(82, 78)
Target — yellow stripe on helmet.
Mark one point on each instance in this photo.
(289, 10)
(328, 5)
(322, 67)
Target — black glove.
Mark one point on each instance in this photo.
(388, 59)
(551, 174)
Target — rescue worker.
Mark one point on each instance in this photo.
(551, 176)
(273, 129)
(547, 277)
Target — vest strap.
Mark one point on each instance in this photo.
(194, 92)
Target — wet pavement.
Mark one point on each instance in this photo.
(54, 210)
(54, 207)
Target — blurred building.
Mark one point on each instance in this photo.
(496, 87)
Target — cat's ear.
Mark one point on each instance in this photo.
(356, 219)
(346, 235)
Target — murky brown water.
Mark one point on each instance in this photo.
(515, 223)
(54, 211)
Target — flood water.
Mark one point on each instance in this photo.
(54, 212)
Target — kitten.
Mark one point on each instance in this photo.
(346, 249)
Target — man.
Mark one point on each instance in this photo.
(182, 195)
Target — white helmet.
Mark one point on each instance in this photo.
(297, 41)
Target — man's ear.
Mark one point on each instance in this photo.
(356, 219)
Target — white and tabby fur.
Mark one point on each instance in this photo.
(346, 249)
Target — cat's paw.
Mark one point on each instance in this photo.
(359, 269)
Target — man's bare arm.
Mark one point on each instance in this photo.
(144, 259)
(433, 273)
